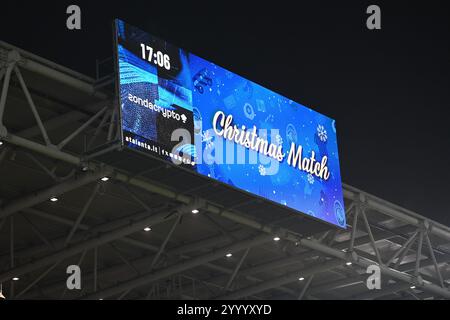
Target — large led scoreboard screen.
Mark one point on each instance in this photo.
(197, 115)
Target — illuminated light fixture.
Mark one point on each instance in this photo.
(2, 296)
(104, 179)
(413, 287)
(148, 229)
(349, 263)
(15, 279)
(1, 143)
(301, 279)
(53, 199)
(195, 211)
(229, 255)
(276, 239)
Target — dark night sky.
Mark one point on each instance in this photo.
(389, 90)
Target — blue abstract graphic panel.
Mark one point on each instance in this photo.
(181, 108)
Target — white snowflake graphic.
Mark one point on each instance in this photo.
(310, 179)
(322, 133)
(279, 140)
(207, 138)
(262, 170)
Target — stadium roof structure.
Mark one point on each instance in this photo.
(71, 196)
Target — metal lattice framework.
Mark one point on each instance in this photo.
(60, 136)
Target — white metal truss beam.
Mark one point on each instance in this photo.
(45, 68)
(236, 217)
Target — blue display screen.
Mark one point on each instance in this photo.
(181, 108)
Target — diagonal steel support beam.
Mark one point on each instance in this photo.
(156, 218)
(236, 270)
(126, 261)
(111, 125)
(37, 232)
(32, 106)
(305, 287)
(279, 281)
(372, 239)
(45, 194)
(354, 228)
(337, 284)
(63, 143)
(35, 281)
(402, 248)
(179, 267)
(40, 165)
(410, 266)
(4, 92)
(2, 71)
(166, 240)
(142, 263)
(433, 257)
(405, 251)
(97, 130)
(418, 254)
(83, 212)
(63, 119)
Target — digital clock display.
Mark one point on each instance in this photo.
(158, 58)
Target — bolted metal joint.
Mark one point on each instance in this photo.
(361, 202)
(418, 281)
(13, 57)
(352, 256)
